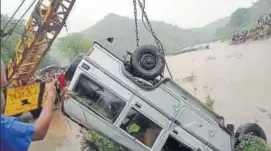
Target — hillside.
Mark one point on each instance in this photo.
(172, 37)
(244, 18)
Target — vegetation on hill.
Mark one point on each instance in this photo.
(73, 44)
(244, 18)
(172, 37)
(123, 29)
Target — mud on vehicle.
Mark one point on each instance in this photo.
(125, 97)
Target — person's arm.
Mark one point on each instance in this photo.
(43, 122)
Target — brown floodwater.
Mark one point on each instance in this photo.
(237, 77)
(62, 136)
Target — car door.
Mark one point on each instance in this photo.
(143, 123)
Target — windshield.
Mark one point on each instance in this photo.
(98, 99)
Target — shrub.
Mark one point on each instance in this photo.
(249, 142)
(104, 144)
(209, 101)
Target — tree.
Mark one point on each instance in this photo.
(73, 44)
(48, 60)
(8, 45)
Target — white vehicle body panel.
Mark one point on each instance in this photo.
(177, 112)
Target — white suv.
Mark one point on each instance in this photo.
(127, 99)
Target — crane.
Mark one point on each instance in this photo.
(41, 29)
(43, 26)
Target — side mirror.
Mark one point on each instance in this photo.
(110, 39)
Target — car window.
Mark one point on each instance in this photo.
(141, 127)
(98, 99)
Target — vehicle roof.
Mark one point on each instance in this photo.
(121, 53)
(112, 47)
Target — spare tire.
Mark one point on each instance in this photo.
(250, 128)
(147, 62)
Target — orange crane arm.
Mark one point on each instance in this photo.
(43, 26)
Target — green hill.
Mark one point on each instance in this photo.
(244, 18)
(172, 37)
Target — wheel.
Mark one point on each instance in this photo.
(147, 62)
(36, 112)
(70, 71)
(250, 128)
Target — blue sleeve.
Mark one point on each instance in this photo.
(18, 134)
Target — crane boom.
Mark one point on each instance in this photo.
(41, 29)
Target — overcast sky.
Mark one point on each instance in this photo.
(183, 13)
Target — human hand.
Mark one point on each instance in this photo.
(65, 95)
(51, 91)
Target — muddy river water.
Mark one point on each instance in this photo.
(237, 77)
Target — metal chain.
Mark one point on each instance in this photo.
(150, 26)
(157, 41)
(136, 23)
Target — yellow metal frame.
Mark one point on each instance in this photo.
(24, 98)
(37, 39)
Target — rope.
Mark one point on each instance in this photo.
(13, 15)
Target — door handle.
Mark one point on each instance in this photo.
(138, 105)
